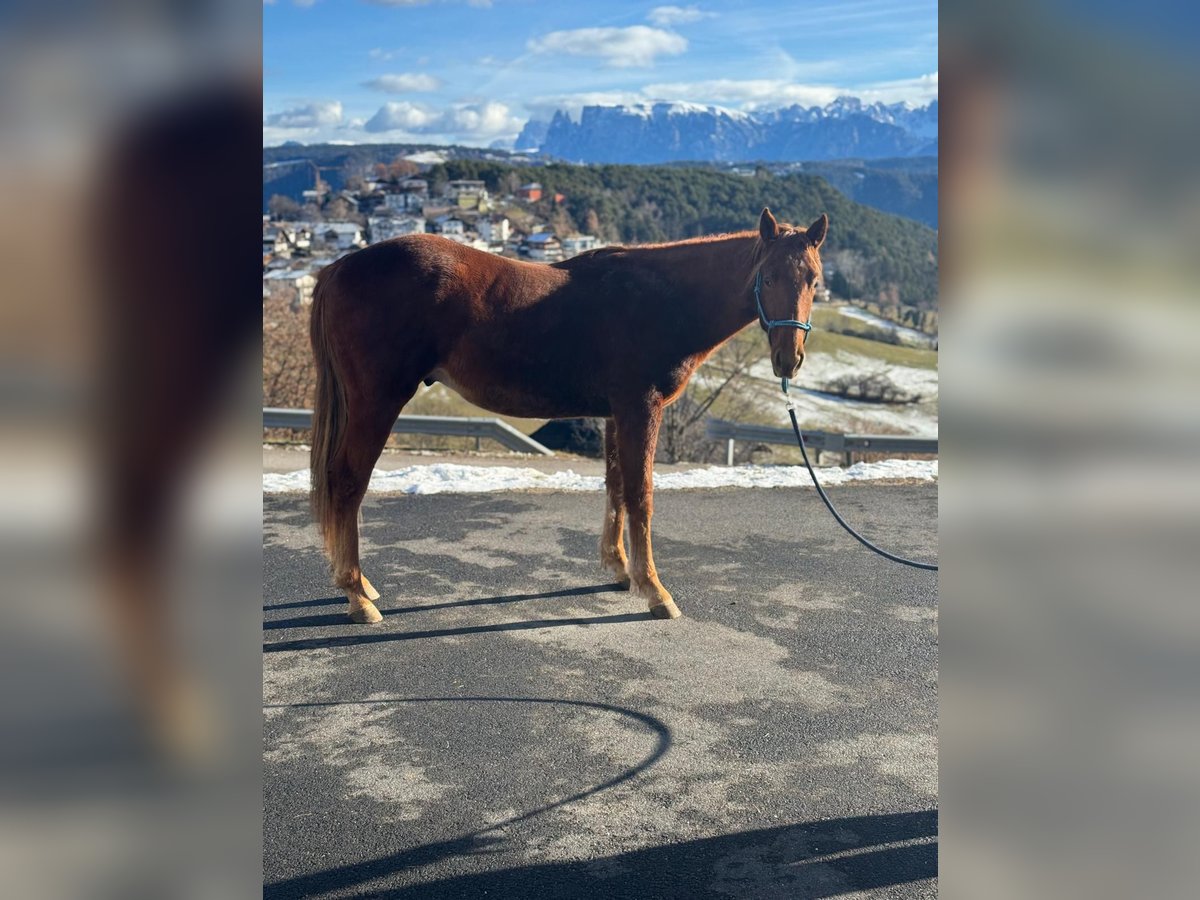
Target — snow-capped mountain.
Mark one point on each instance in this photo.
(666, 132)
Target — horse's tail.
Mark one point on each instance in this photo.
(329, 409)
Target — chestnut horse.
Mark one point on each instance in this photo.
(613, 333)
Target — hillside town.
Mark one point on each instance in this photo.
(300, 239)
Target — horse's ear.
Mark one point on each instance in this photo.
(816, 231)
(768, 228)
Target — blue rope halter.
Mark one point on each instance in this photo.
(775, 323)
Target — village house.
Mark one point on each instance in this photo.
(574, 244)
(531, 192)
(408, 195)
(494, 229)
(384, 227)
(466, 193)
(342, 235)
(301, 238)
(449, 224)
(287, 239)
(275, 243)
(543, 247)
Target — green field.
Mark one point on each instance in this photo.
(825, 338)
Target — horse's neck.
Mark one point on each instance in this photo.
(715, 280)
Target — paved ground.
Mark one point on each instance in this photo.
(517, 729)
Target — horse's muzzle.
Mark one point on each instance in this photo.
(786, 368)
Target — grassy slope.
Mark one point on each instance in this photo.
(825, 339)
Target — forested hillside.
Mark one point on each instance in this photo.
(869, 254)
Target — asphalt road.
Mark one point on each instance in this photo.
(516, 728)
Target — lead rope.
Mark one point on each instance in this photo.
(791, 407)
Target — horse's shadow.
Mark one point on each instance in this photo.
(325, 620)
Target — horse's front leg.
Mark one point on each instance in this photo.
(637, 437)
(612, 539)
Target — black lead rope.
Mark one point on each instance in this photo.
(931, 567)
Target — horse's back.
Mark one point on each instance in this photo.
(412, 258)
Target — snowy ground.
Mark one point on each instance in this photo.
(446, 478)
(910, 337)
(826, 412)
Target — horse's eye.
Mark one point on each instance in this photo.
(767, 282)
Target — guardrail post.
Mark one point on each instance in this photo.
(729, 452)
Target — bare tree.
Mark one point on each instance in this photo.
(562, 223)
(722, 384)
(289, 377)
(591, 223)
(283, 208)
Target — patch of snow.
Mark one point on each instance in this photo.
(910, 336)
(822, 368)
(826, 412)
(428, 157)
(444, 478)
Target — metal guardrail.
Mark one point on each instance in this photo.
(717, 430)
(453, 426)
(722, 430)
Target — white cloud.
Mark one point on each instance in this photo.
(637, 45)
(404, 82)
(919, 90)
(666, 16)
(461, 122)
(481, 119)
(317, 114)
(399, 116)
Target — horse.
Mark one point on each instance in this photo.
(613, 333)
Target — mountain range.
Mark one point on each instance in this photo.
(662, 132)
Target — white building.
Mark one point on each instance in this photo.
(494, 229)
(342, 235)
(449, 225)
(574, 244)
(275, 243)
(408, 195)
(383, 228)
(543, 247)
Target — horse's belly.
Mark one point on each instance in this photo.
(512, 398)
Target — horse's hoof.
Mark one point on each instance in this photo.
(665, 610)
(366, 614)
(369, 589)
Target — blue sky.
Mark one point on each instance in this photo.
(473, 71)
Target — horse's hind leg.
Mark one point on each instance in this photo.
(367, 430)
(612, 538)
